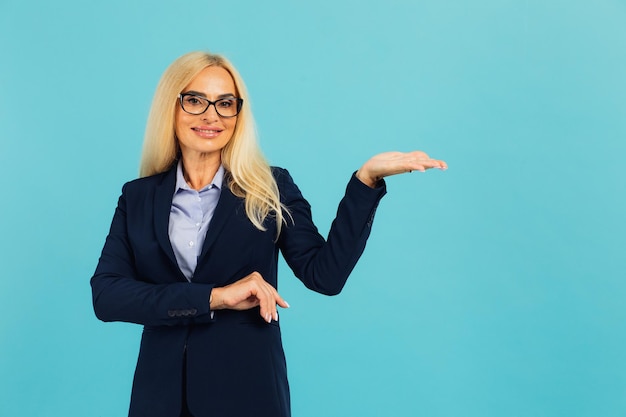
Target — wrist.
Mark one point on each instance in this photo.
(366, 179)
(215, 302)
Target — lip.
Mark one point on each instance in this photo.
(207, 132)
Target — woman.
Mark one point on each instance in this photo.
(193, 248)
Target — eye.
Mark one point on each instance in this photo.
(192, 100)
(226, 103)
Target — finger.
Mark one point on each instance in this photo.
(269, 302)
(439, 164)
(275, 299)
(264, 297)
(429, 164)
(281, 302)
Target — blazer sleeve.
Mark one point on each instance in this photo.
(120, 293)
(324, 265)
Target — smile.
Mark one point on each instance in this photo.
(208, 133)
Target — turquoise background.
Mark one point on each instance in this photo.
(493, 289)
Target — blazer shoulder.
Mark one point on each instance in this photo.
(283, 178)
(279, 172)
(289, 191)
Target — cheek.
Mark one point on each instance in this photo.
(231, 124)
(181, 120)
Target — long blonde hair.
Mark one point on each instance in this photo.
(249, 175)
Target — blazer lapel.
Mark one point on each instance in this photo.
(226, 206)
(162, 205)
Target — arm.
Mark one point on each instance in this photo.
(120, 293)
(324, 266)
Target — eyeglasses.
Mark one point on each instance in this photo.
(225, 107)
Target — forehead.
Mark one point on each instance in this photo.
(212, 81)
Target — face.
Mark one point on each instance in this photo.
(206, 134)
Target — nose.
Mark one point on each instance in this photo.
(210, 113)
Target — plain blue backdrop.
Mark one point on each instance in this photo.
(493, 289)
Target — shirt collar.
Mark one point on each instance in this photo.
(181, 184)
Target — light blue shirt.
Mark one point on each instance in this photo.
(190, 216)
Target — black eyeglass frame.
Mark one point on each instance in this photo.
(209, 103)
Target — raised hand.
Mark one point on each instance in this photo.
(392, 163)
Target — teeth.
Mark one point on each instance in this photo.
(207, 131)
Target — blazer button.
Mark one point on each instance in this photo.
(171, 313)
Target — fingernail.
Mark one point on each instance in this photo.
(267, 318)
(276, 316)
(287, 304)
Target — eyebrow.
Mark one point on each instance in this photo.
(201, 94)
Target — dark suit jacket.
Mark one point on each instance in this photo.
(235, 364)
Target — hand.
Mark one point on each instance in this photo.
(249, 292)
(392, 163)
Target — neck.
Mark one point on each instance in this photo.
(199, 171)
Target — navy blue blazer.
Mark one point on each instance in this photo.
(235, 365)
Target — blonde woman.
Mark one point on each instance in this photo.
(192, 250)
